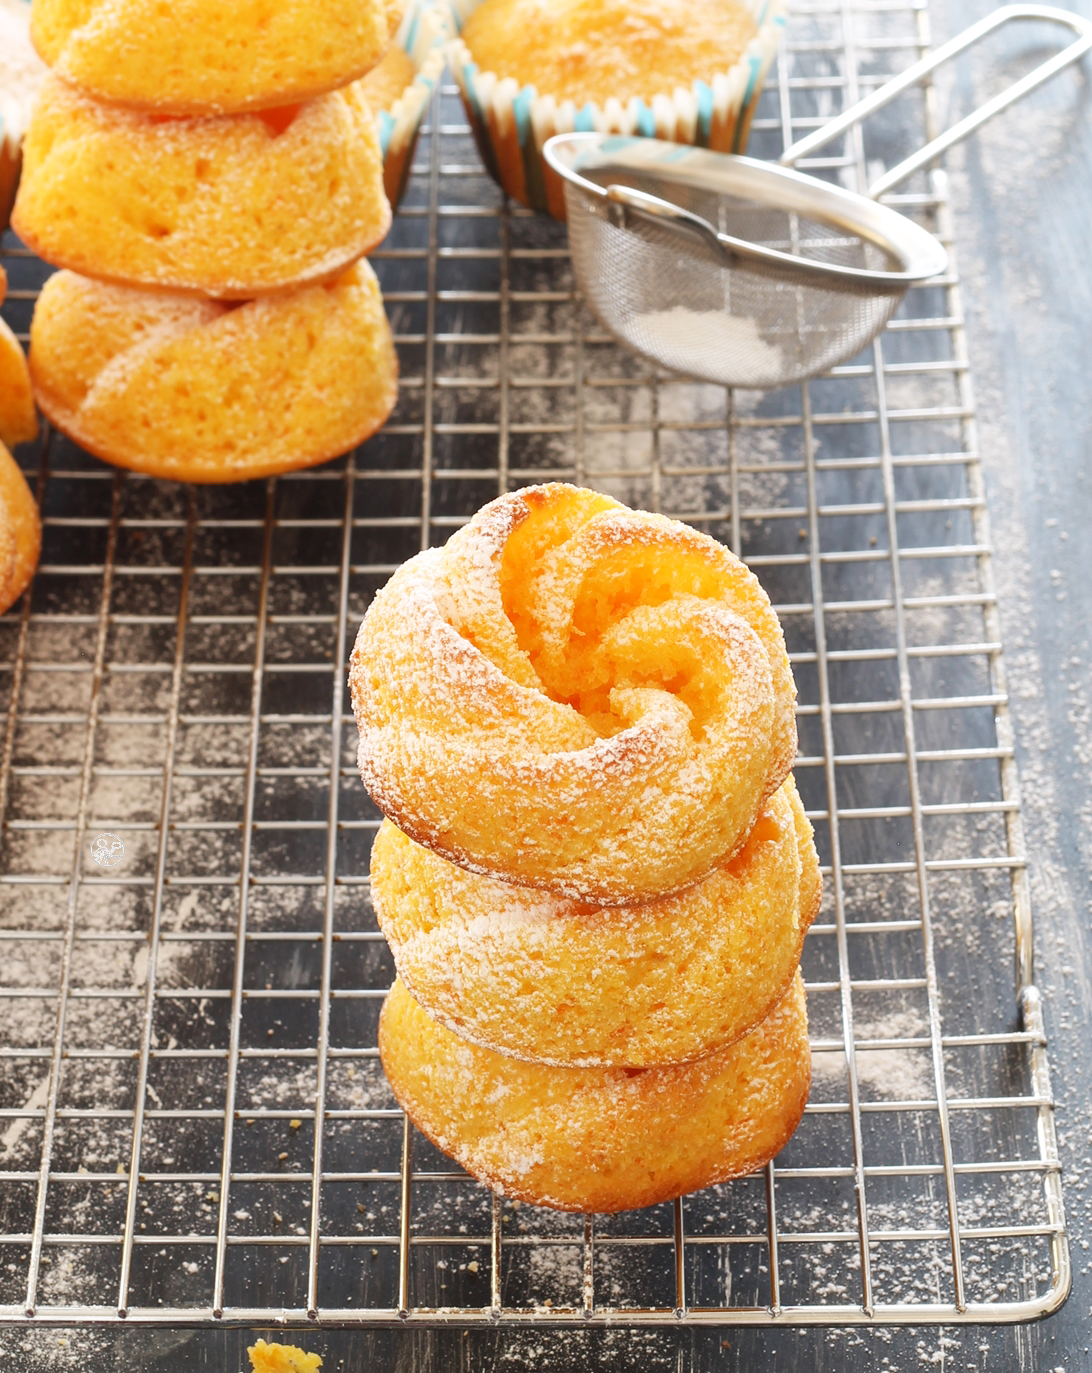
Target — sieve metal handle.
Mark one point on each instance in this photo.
(626, 204)
(886, 93)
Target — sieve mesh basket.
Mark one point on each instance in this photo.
(702, 318)
(761, 319)
(747, 274)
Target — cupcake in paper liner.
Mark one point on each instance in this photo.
(401, 86)
(21, 73)
(600, 58)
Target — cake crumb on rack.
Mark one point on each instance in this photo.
(281, 1358)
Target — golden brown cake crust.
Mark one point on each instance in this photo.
(591, 50)
(811, 879)
(232, 207)
(7, 553)
(207, 56)
(552, 980)
(574, 696)
(18, 418)
(600, 1139)
(21, 536)
(386, 82)
(194, 390)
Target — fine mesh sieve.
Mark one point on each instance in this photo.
(747, 273)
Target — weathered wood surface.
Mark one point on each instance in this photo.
(1022, 191)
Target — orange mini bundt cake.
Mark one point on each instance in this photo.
(196, 390)
(208, 56)
(388, 79)
(20, 531)
(575, 696)
(600, 1139)
(18, 420)
(554, 980)
(232, 207)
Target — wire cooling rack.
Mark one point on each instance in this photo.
(194, 1125)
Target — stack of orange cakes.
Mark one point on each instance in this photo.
(20, 524)
(209, 176)
(595, 874)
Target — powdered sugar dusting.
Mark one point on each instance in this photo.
(194, 390)
(708, 343)
(601, 1139)
(230, 206)
(473, 751)
(552, 980)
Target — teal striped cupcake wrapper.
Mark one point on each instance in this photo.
(511, 124)
(426, 28)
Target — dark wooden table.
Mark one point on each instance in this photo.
(1022, 191)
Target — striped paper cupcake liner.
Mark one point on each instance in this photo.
(512, 123)
(426, 28)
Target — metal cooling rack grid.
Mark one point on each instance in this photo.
(173, 678)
